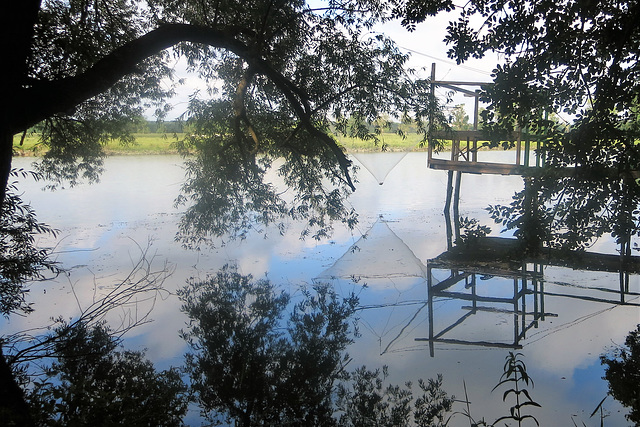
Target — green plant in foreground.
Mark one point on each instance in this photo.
(515, 374)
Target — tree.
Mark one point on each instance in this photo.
(363, 400)
(253, 364)
(21, 264)
(93, 383)
(622, 372)
(133, 296)
(460, 119)
(82, 71)
(24, 353)
(258, 359)
(21, 261)
(573, 58)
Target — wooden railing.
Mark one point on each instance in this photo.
(464, 154)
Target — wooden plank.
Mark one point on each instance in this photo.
(450, 281)
(479, 167)
(478, 298)
(461, 83)
(471, 343)
(479, 135)
(505, 311)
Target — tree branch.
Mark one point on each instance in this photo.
(63, 95)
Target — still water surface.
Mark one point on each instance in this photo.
(103, 225)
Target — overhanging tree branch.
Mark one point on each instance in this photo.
(64, 94)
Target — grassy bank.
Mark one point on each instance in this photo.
(390, 141)
(145, 143)
(158, 143)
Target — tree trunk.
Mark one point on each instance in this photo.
(16, 32)
(6, 154)
(14, 410)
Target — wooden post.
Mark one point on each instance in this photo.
(534, 285)
(476, 108)
(456, 204)
(541, 285)
(527, 148)
(518, 146)
(516, 329)
(431, 124)
(454, 148)
(475, 149)
(447, 209)
(430, 284)
(468, 146)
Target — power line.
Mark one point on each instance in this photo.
(447, 61)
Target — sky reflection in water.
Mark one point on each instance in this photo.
(101, 226)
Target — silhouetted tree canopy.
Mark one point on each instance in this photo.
(254, 360)
(278, 72)
(366, 400)
(259, 356)
(80, 72)
(622, 372)
(93, 382)
(20, 260)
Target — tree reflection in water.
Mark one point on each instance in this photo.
(623, 374)
(257, 357)
(254, 360)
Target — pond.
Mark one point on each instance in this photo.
(569, 322)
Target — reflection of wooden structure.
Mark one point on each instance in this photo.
(502, 258)
(525, 283)
(506, 253)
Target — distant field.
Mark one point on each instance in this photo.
(390, 141)
(147, 143)
(157, 143)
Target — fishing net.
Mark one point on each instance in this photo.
(379, 166)
(379, 253)
(390, 282)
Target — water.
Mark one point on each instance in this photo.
(104, 226)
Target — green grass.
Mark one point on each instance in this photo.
(145, 143)
(390, 141)
(158, 143)
(148, 143)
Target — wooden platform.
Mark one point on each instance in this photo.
(479, 167)
(464, 155)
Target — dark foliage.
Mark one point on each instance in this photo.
(575, 59)
(253, 363)
(364, 400)
(623, 374)
(93, 383)
(21, 261)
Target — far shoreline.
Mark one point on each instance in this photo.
(152, 144)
